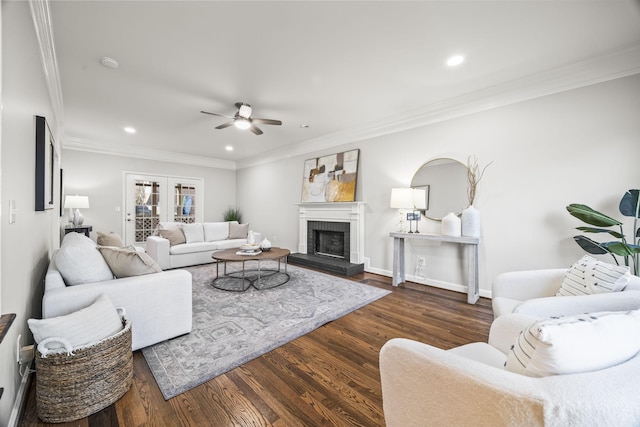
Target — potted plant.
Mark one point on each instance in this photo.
(629, 250)
(232, 214)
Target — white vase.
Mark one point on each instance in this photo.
(451, 225)
(251, 239)
(471, 222)
(265, 244)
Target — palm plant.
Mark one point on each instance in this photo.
(630, 207)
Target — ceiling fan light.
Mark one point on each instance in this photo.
(242, 123)
(245, 110)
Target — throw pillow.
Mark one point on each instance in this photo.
(78, 261)
(193, 233)
(574, 344)
(127, 262)
(238, 231)
(175, 236)
(109, 239)
(166, 225)
(590, 276)
(89, 325)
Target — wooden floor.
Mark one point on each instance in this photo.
(329, 377)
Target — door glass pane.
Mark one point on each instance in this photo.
(185, 203)
(147, 209)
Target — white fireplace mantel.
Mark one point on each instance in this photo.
(351, 212)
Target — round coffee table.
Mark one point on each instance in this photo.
(258, 278)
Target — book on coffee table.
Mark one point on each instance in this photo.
(249, 252)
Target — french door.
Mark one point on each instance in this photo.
(150, 199)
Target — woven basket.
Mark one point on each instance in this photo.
(70, 387)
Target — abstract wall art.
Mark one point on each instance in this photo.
(330, 178)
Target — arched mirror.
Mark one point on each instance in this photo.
(445, 182)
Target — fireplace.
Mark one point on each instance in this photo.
(327, 238)
(331, 237)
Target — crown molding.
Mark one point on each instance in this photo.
(41, 15)
(149, 154)
(618, 64)
(614, 65)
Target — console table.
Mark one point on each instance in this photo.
(471, 243)
(83, 229)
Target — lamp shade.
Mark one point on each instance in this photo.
(401, 198)
(76, 202)
(419, 198)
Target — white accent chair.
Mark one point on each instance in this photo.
(468, 386)
(533, 292)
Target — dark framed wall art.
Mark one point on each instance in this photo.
(46, 166)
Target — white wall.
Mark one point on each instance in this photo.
(579, 146)
(26, 244)
(100, 177)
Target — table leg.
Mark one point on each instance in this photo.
(398, 261)
(473, 291)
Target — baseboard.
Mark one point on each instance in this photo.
(429, 282)
(19, 400)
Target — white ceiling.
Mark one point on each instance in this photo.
(345, 69)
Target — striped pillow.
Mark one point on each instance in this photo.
(590, 276)
(574, 344)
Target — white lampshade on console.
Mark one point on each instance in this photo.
(401, 198)
(76, 202)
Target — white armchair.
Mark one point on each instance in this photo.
(533, 292)
(423, 385)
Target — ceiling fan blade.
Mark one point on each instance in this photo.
(216, 114)
(255, 129)
(225, 125)
(266, 121)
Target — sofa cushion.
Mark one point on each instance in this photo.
(189, 248)
(230, 243)
(78, 261)
(214, 231)
(109, 239)
(127, 261)
(238, 231)
(175, 236)
(89, 325)
(193, 233)
(574, 344)
(590, 276)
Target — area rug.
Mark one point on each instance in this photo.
(232, 328)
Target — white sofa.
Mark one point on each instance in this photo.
(159, 305)
(198, 247)
(469, 385)
(533, 291)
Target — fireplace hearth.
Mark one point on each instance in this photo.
(328, 248)
(331, 237)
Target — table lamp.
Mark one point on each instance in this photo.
(402, 198)
(76, 202)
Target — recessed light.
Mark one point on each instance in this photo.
(228, 148)
(109, 62)
(304, 126)
(129, 129)
(454, 61)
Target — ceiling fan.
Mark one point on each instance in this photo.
(243, 120)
